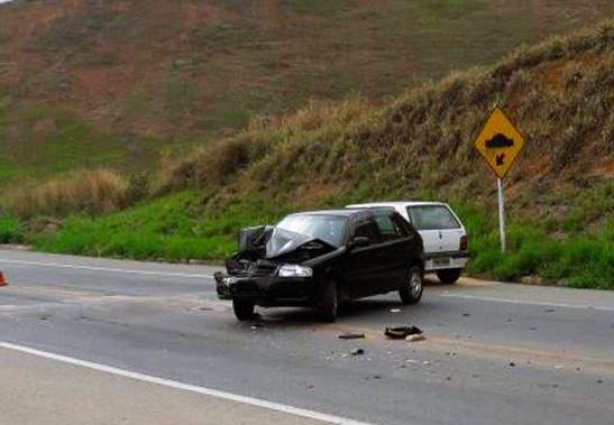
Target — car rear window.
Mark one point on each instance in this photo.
(432, 217)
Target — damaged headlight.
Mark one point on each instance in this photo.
(294, 270)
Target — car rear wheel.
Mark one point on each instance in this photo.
(244, 310)
(449, 276)
(411, 292)
(329, 302)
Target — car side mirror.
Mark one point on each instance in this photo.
(360, 241)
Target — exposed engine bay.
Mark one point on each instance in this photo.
(264, 248)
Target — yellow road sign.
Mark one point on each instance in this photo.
(499, 143)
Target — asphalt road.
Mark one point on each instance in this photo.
(102, 341)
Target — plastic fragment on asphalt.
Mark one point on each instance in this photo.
(351, 335)
(357, 352)
(395, 310)
(401, 332)
(415, 338)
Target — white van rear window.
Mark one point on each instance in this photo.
(432, 217)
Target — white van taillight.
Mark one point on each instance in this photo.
(464, 245)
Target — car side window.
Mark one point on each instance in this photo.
(388, 229)
(367, 228)
(402, 227)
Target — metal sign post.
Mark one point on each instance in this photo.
(499, 143)
(501, 214)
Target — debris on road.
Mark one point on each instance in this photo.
(402, 332)
(415, 338)
(395, 310)
(351, 335)
(357, 352)
(512, 364)
(466, 314)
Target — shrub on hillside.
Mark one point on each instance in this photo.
(92, 192)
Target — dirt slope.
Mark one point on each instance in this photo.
(91, 82)
(559, 93)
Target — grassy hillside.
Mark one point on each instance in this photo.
(96, 83)
(561, 209)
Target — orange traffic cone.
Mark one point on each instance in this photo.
(3, 281)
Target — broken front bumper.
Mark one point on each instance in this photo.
(267, 291)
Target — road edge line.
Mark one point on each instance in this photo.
(106, 269)
(526, 302)
(256, 402)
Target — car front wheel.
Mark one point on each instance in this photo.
(448, 276)
(244, 310)
(411, 292)
(329, 302)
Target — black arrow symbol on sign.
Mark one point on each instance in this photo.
(500, 159)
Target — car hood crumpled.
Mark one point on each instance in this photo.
(283, 242)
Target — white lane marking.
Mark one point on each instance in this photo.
(106, 269)
(540, 303)
(278, 407)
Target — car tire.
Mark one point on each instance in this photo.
(411, 292)
(244, 310)
(449, 276)
(329, 302)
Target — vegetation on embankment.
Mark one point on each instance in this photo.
(560, 204)
(172, 228)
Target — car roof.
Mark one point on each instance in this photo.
(347, 212)
(395, 204)
(344, 212)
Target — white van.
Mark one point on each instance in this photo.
(443, 234)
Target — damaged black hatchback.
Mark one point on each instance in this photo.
(323, 258)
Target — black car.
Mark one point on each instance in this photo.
(322, 258)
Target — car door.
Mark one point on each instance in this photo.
(363, 265)
(395, 244)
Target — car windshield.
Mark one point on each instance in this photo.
(432, 217)
(329, 228)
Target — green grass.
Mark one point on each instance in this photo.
(11, 230)
(161, 229)
(583, 260)
(182, 226)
